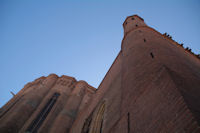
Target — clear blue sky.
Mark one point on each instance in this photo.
(80, 38)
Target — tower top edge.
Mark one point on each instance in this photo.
(135, 15)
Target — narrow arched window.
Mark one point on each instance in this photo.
(98, 120)
(35, 125)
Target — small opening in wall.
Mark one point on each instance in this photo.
(132, 18)
(144, 40)
(128, 120)
(125, 23)
(152, 56)
(86, 126)
(136, 25)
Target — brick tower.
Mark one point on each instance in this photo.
(160, 81)
(153, 86)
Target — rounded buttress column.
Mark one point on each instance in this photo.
(37, 122)
(15, 118)
(66, 117)
(132, 58)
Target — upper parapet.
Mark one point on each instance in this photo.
(133, 22)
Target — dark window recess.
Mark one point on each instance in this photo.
(152, 56)
(125, 23)
(101, 126)
(136, 25)
(35, 125)
(128, 121)
(144, 40)
(132, 18)
(86, 126)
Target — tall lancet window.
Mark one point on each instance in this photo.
(98, 121)
(35, 125)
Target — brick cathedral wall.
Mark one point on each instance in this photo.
(108, 91)
(15, 118)
(152, 86)
(146, 57)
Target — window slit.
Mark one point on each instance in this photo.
(86, 126)
(35, 125)
(152, 56)
(128, 120)
(101, 126)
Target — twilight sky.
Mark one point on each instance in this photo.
(80, 38)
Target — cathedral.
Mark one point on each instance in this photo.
(153, 86)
